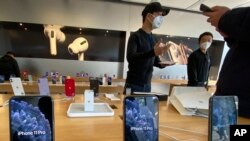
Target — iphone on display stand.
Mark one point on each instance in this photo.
(223, 112)
(70, 87)
(63, 79)
(53, 79)
(31, 118)
(141, 118)
(17, 86)
(43, 86)
(2, 78)
(94, 85)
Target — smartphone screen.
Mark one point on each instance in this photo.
(31, 118)
(2, 78)
(63, 79)
(70, 87)
(17, 86)
(141, 118)
(94, 85)
(53, 79)
(43, 86)
(223, 113)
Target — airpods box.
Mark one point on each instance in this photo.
(89, 100)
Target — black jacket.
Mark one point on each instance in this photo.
(234, 76)
(198, 68)
(8, 67)
(141, 58)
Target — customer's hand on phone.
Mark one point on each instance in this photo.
(214, 17)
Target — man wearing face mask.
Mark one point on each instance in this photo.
(143, 50)
(199, 62)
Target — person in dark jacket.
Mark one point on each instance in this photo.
(234, 78)
(199, 62)
(143, 50)
(9, 66)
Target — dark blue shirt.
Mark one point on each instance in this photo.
(141, 58)
(198, 68)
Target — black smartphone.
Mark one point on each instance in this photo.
(2, 78)
(205, 8)
(141, 118)
(31, 118)
(63, 79)
(223, 112)
(94, 85)
(53, 79)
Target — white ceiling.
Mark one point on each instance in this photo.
(193, 5)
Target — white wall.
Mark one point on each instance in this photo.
(96, 14)
(79, 13)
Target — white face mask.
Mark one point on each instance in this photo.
(157, 22)
(205, 45)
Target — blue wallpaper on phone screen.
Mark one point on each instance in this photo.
(141, 115)
(224, 114)
(28, 123)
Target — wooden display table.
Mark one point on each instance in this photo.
(111, 128)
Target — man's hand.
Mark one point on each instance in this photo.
(214, 17)
(161, 48)
(166, 47)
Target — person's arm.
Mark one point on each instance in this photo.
(132, 53)
(235, 24)
(192, 70)
(16, 69)
(133, 43)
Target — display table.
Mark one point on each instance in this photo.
(117, 87)
(32, 87)
(111, 128)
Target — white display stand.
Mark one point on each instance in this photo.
(100, 109)
(190, 100)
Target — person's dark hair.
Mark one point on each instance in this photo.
(204, 34)
(143, 18)
(10, 53)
